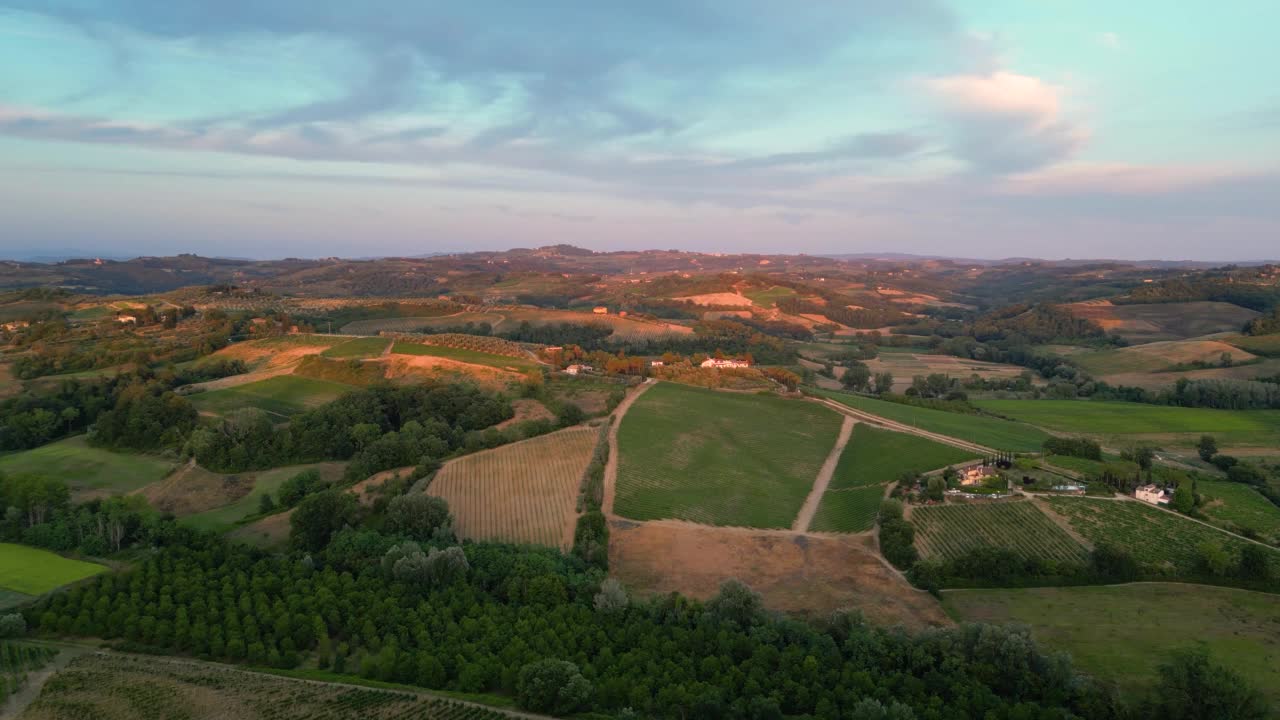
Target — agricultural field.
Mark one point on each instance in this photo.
(1107, 418)
(1264, 345)
(282, 395)
(875, 456)
(1152, 365)
(263, 482)
(991, 432)
(10, 599)
(525, 492)
(88, 471)
(768, 298)
(504, 319)
(32, 571)
(358, 348)
(950, 531)
(374, 326)
(1154, 322)
(1237, 506)
(1099, 627)
(1157, 538)
(281, 351)
(906, 365)
(720, 458)
(850, 510)
(115, 686)
(473, 357)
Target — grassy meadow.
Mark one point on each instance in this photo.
(1238, 506)
(283, 395)
(32, 571)
(875, 456)
(265, 481)
(358, 348)
(1124, 632)
(720, 458)
(991, 432)
(88, 469)
(1109, 418)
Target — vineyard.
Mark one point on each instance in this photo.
(874, 457)
(848, 511)
(720, 458)
(16, 660)
(123, 687)
(1156, 538)
(524, 492)
(474, 343)
(1238, 507)
(474, 357)
(951, 531)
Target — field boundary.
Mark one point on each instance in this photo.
(611, 465)
(805, 518)
(888, 424)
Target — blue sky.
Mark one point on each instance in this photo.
(1053, 128)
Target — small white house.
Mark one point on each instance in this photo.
(723, 363)
(576, 369)
(656, 363)
(1153, 495)
(600, 310)
(126, 319)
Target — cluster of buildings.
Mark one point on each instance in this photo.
(1153, 495)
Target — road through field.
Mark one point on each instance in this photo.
(611, 465)
(820, 483)
(902, 427)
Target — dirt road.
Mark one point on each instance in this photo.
(902, 427)
(611, 466)
(820, 483)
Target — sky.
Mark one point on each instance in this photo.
(1141, 129)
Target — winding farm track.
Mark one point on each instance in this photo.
(820, 483)
(902, 427)
(611, 465)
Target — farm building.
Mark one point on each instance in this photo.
(1069, 488)
(126, 319)
(600, 310)
(975, 474)
(576, 369)
(1152, 494)
(656, 363)
(16, 325)
(724, 363)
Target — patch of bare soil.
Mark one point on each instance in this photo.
(270, 531)
(526, 409)
(414, 368)
(364, 490)
(267, 357)
(803, 574)
(192, 489)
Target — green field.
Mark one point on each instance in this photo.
(1238, 505)
(267, 481)
(991, 432)
(1124, 632)
(502, 362)
(1122, 418)
(282, 395)
(87, 469)
(1157, 538)
(1265, 345)
(358, 348)
(874, 457)
(767, 298)
(720, 458)
(848, 511)
(1084, 466)
(32, 571)
(951, 531)
(9, 599)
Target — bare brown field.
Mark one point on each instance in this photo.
(524, 492)
(526, 409)
(278, 352)
(804, 574)
(1144, 365)
(1163, 321)
(365, 489)
(191, 489)
(416, 368)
